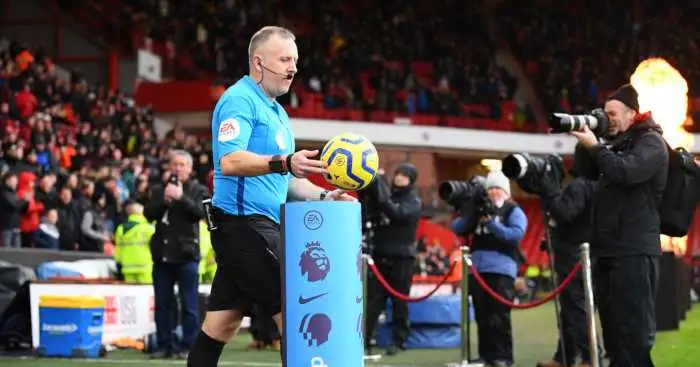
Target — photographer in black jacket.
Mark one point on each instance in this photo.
(394, 251)
(626, 245)
(176, 207)
(569, 213)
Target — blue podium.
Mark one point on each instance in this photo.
(322, 284)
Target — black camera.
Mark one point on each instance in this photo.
(468, 197)
(533, 174)
(597, 121)
(370, 199)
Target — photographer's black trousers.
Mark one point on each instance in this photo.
(398, 272)
(625, 293)
(493, 322)
(573, 314)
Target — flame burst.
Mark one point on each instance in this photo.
(663, 91)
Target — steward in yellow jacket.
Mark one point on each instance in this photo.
(207, 264)
(132, 245)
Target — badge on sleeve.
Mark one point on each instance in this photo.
(229, 130)
(280, 140)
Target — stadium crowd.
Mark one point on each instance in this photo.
(340, 41)
(72, 153)
(573, 53)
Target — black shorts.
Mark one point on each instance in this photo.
(248, 269)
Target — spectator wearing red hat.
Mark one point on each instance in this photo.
(30, 220)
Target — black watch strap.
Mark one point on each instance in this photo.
(278, 165)
(288, 163)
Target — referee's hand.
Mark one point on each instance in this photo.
(302, 164)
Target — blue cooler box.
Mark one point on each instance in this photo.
(70, 326)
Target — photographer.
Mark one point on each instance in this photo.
(494, 248)
(394, 251)
(626, 245)
(176, 209)
(569, 213)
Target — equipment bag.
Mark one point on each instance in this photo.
(680, 196)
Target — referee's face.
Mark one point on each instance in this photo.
(280, 55)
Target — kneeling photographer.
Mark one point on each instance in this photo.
(498, 225)
(568, 213)
(394, 212)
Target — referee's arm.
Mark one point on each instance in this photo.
(232, 133)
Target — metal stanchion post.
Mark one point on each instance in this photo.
(465, 327)
(590, 308)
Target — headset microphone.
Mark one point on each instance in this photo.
(284, 75)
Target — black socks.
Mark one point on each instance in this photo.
(205, 352)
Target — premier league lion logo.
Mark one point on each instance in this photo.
(314, 263)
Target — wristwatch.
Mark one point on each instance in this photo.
(323, 195)
(278, 164)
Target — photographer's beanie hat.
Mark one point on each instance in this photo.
(409, 171)
(627, 95)
(498, 179)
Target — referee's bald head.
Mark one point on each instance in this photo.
(263, 35)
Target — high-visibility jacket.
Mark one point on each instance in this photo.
(207, 263)
(132, 245)
(532, 271)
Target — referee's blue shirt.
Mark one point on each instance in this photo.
(246, 119)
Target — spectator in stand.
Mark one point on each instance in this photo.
(45, 191)
(11, 209)
(68, 220)
(437, 261)
(93, 227)
(30, 220)
(47, 236)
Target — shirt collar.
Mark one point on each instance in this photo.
(254, 86)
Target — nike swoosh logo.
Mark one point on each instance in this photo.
(303, 301)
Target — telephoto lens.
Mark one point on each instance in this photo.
(597, 121)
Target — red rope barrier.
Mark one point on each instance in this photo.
(528, 305)
(394, 293)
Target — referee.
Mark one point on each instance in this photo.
(255, 171)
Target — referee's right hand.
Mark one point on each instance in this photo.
(302, 164)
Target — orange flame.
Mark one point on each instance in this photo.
(663, 91)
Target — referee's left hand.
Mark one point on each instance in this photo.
(340, 195)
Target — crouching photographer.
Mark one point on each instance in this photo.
(393, 213)
(498, 225)
(568, 211)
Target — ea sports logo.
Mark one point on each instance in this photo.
(313, 220)
(314, 263)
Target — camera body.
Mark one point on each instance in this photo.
(470, 198)
(535, 174)
(597, 120)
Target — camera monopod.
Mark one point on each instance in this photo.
(555, 283)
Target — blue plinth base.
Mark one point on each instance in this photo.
(322, 276)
